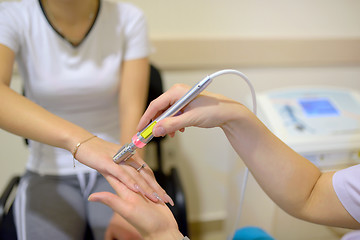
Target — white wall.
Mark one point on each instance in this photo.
(252, 18)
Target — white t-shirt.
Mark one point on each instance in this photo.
(346, 183)
(80, 83)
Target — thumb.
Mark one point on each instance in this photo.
(106, 198)
(172, 124)
(111, 200)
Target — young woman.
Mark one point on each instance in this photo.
(85, 71)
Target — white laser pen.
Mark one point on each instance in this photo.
(140, 139)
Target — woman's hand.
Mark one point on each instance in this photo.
(97, 153)
(120, 229)
(152, 220)
(207, 110)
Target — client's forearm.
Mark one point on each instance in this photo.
(27, 119)
(171, 234)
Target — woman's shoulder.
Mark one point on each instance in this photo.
(8, 7)
(123, 7)
(17, 11)
(347, 188)
(18, 6)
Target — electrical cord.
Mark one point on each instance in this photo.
(246, 173)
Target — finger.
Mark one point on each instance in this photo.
(145, 186)
(125, 197)
(120, 188)
(133, 163)
(172, 124)
(162, 103)
(122, 191)
(108, 198)
(123, 174)
(108, 235)
(148, 183)
(113, 201)
(174, 133)
(134, 181)
(149, 176)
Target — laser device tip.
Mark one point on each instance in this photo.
(127, 151)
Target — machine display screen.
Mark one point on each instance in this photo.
(318, 107)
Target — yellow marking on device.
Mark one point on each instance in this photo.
(148, 131)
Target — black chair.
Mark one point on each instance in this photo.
(170, 182)
(7, 225)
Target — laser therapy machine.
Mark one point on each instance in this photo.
(320, 123)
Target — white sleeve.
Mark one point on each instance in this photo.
(10, 25)
(346, 184)
(137, 41)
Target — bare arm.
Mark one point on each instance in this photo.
(133, 95)
(292, 181)
(23, 117)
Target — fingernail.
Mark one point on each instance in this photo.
(169, 200)
(157, 196)
(159, 131)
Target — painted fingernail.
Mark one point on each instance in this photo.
(169, 200)
(158, 197)
(160, 131)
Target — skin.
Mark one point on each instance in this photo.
(301, 189)
(23, 117)
(154, 221)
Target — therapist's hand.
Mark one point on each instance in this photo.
(120, 229)
(207, 110)
(152, 220)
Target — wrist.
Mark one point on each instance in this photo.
(80, 143)
(174, 234)
(236, 119)
(71, 140)
(242, 130)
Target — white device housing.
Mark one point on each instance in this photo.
(320, 123)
